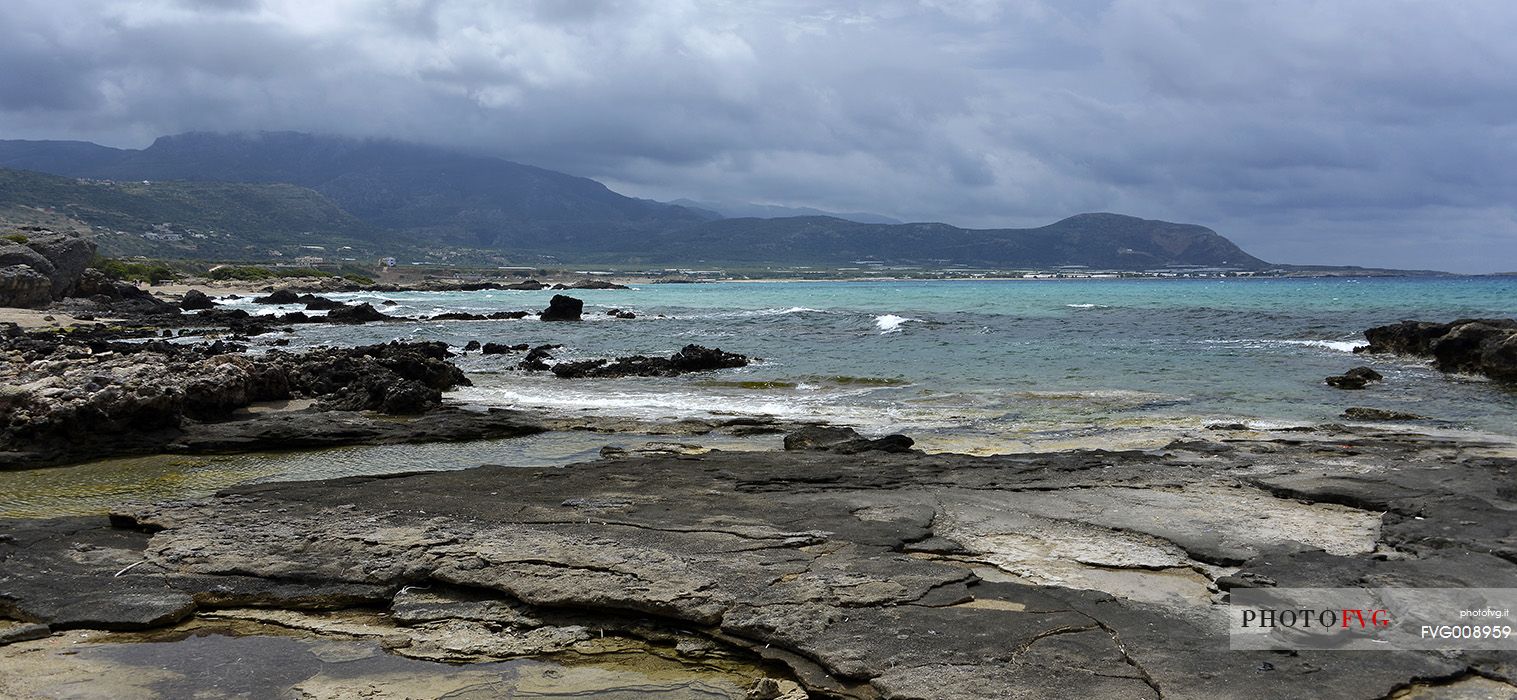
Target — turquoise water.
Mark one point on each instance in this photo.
(1006, 360)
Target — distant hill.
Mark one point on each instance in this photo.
(458, 198)
(199, 219)
(1110, 241)
(400, 195)
(744, 210)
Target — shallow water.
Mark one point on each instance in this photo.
(291, 665)
(97, 487)
(1011, 358)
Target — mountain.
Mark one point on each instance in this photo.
(749, 210)
(199, 219)
(1108, 241)
(454, 197)
(407, 196)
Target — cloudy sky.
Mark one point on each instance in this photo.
(1374, 132)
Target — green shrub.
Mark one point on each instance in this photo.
(16, 237)
(135, 271)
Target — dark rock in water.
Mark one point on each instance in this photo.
(563, 308)
(844, 441)
(1364, 413)
(316, 303)
(362, 313)
(195, 300)
(1366, 373)
(618, 313)
(120, 397)
(282, 296)
(222, 315)
(389, 302)
(1471, 346)
(1355, 378)
(471, 346)
(501, 349)
(536, 359)
(691, 358)
(466, 316)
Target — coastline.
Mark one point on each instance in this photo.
(1098, 568)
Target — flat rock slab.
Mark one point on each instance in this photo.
(871, 575)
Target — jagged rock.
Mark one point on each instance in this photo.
(1473, 346)
(500, 348)
(1364, 413)
(563, 308)
(362, 313)
(1355, 378)
(80, 396)
(316, 303)
(536, 359)
(618, 313)
(691, 358)
(471, 346)
(195, 300)
(68, 254)
(23, 287)
(279, 296)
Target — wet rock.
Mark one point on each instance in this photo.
(537, 358)
(868, 575)
(82, 396)
(1355, 378)
(844, 441)
(281, 296)
(196, 300)
(501, 348)
(618, 313)
(1366, 413)
(362, 313)
(563, 308)
(471, 346)
(691, 358)
(316, 303)
(1473, 346)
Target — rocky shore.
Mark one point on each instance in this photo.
(845, 566)
(870, 575)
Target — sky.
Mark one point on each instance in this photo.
(1367, 132)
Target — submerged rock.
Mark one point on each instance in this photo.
(1364, 413)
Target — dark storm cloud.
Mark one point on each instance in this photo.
(1350, 132)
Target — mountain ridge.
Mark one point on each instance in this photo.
(440, 198)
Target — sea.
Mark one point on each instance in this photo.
(970, 366)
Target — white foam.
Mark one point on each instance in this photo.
(1087, 306)
(1339, 345)
(891, 323)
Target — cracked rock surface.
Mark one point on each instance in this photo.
(1076, 574)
